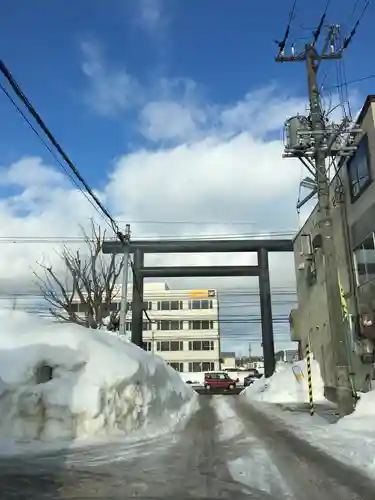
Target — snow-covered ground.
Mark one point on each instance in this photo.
(254, 467)
(61, 383)
(351, 439)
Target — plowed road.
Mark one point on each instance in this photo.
(228, 450)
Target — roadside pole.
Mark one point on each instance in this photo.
(124, 283)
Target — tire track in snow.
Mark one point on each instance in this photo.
(248, 460)
(309, 472)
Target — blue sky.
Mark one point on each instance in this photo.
(226, 47)
(172, 109)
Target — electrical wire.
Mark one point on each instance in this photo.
(176, 294)
(281, 44)
(46, 145)
(20, 94)
(12, 82)
(348, 39)
(351, 82)
(318, 30)
(191, 237)
(192, 222)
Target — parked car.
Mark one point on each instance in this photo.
(219, 380)
(251, 377)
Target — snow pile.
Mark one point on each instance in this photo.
(350, 439)
(287, 385)
(363, 417)
(60, 381)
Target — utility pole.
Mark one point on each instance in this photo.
(124, 283)
(312, 140)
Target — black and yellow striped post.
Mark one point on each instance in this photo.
(309, 380)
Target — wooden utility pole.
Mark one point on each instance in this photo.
(314, 154)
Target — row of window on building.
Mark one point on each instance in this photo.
(360, 177)
(161, 305)
(175, 325)
(178, 305)
(195, 366)
(178, 345)
(364, 257)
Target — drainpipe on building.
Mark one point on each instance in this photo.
(352, 287)
(349, 255)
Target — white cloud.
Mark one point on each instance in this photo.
(218, 174)
(185, 116)
(150, 13)
(230, 180)
(28, 172)
(166, 120)
(110, 89)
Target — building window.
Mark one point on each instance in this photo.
(166, 324)
(306, 244)
(148, 305)
(364, 256)
(204, 366)
(170, 305)
(201, 325)
(146, 326)
(179, 367)
(201, 345)
(359, 170)
(176, 345)
(147, 346)
(200, 304)
(172, 345)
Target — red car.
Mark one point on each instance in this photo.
(219, 380)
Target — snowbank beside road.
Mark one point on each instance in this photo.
(287, 385)
(350, 440)
(60, 381)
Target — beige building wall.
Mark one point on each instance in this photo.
(228, 360)
(196, 339)
(353, 220)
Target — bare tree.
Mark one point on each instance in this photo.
(86, 294)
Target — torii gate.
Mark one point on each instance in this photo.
(140, 247)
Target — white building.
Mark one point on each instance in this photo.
(185, 326)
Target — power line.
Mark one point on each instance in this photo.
(281, 44)
(350, 82)
(47, 132)
(20, 94)
(45, 144)
(194, 222)
(348, 39)
(317, 32)
(179, 294)
(198, 237)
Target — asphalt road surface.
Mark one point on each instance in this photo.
(228, 450)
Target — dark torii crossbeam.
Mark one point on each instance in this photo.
(261, 247)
